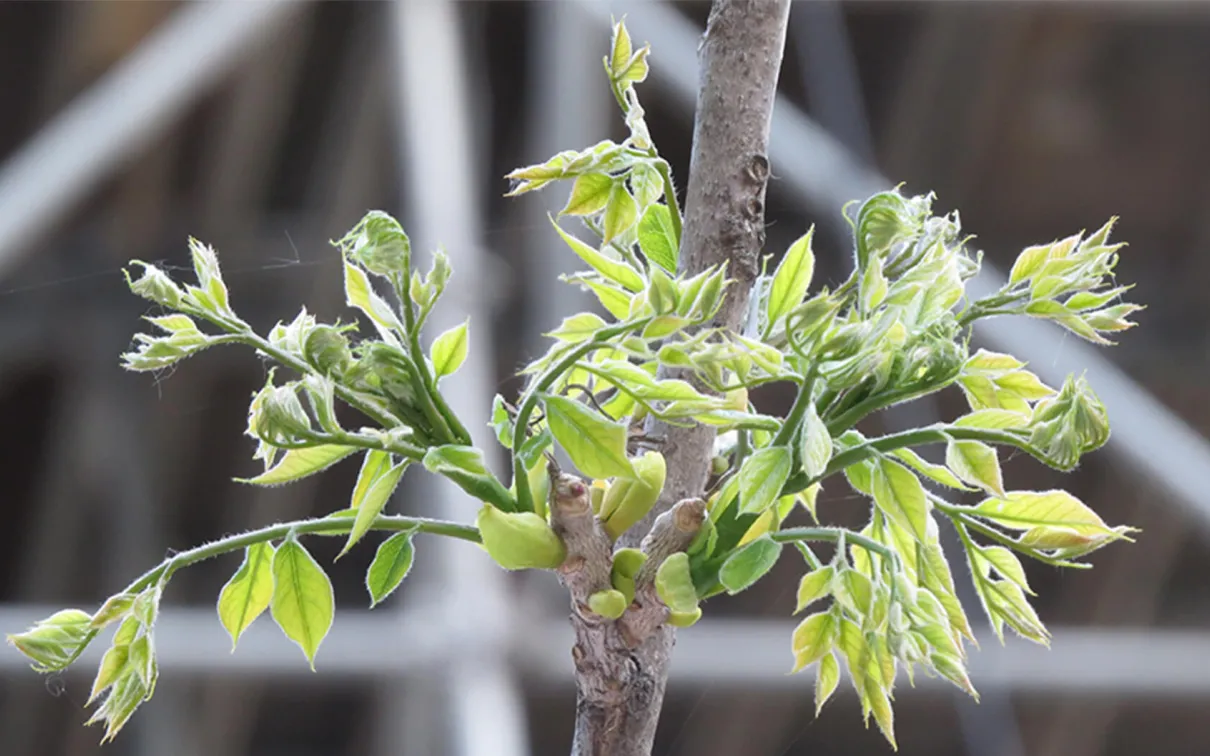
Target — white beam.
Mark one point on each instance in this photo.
(131, 105)
(365, 645)
(817, 170)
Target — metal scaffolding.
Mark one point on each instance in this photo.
(460, 632)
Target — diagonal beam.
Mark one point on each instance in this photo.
(818, 171)
(131, 105)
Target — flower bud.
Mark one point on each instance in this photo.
(327, 349)
(520, 540)
(629, 500)
(155, 285)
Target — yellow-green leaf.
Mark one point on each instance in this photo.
(589, 194)
(900, 495)
(576, 328)
(674, 583)
(618, 272)
(299, 463)
(391, 565)
(246, 595)
(303, 605)
(377, 494)
(792, 279)
(449, 350)
(1006, 563)
(1023, 510)
(814, 586)
(993, 418)
(596, 445)
(620, 214)
(976, 463)
(813, 638)
(762, 476)
(938, 473)
(827, 676)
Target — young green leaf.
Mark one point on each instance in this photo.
(360, 293)
(1023, 510)
(1006, 563)
(391, 565)
(792, 279)
(299, 463)
(939, 473)
(576, 328)
(376, 497)
(657, 237)
(303, 605)
(589, 194)
(816, 444)
(449, 350)
(246, 595)
(373, 465)
(620, 213)
(975, 462)
(762, 476)
(744, 567)
(814, 585)
(813, 638)
(900, 496)
(618, 272)
(596, 445)
(826, 679)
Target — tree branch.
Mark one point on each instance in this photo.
(724, 222)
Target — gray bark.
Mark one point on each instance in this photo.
(622, 667)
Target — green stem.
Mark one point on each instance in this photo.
(802, 402)
(326, 526)
(854, 414)
(834, 535)
(529, 400)
(935, 434)
(674, 206)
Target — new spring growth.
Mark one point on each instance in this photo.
(519, 540)
(628, 500)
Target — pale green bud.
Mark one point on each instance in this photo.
(155, 285)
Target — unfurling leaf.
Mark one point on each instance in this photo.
(247, 594)
(303, 605)
(391, 565)
(596, 445)
(749, 564)
(609, 603)
(762, 476)
(299, 463)
(449, 351)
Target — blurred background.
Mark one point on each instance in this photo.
(267, 129)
